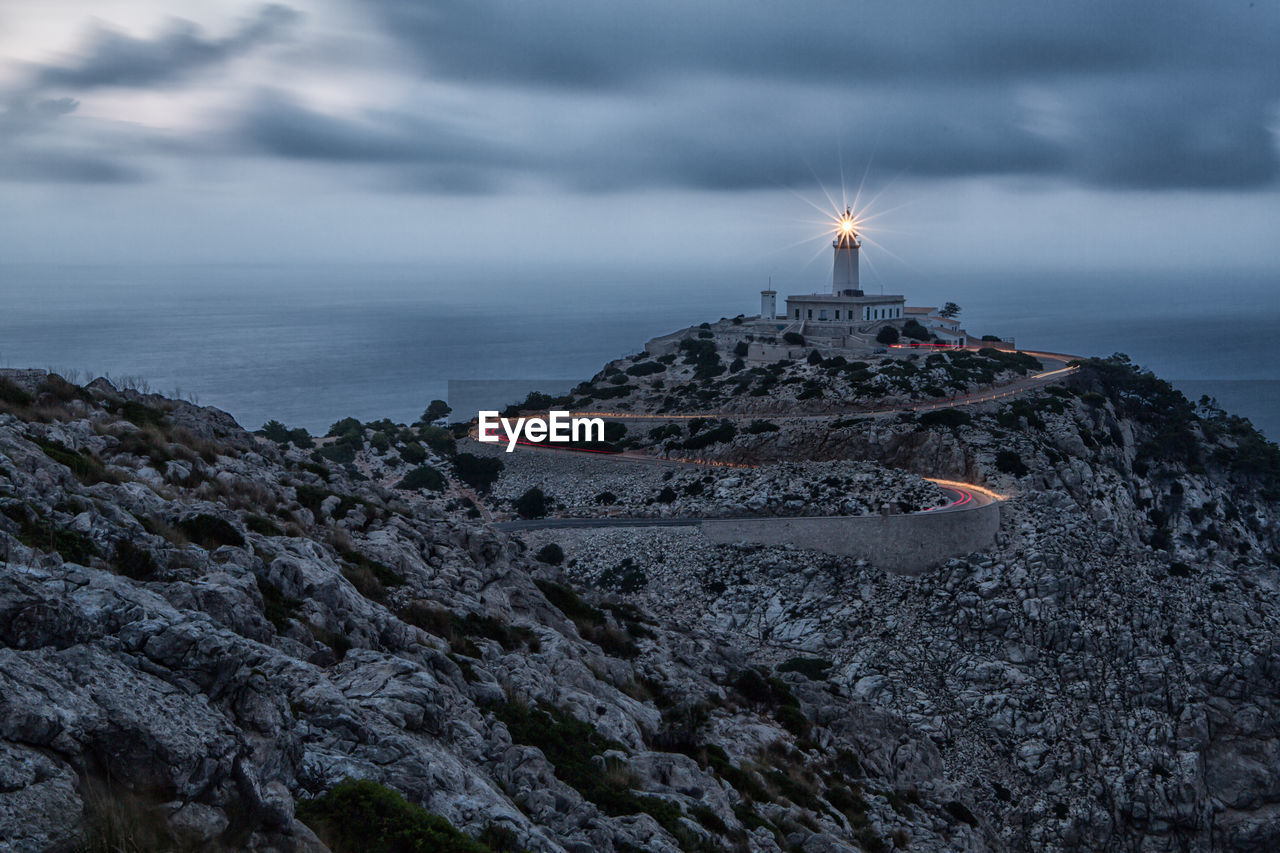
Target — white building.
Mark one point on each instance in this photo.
(846, 303)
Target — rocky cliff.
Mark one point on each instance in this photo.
(205, 635)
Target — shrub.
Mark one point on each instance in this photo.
(532, 504)
(724, 432)
(815, 358)
(667, 495)
(479, 472)
(944, 417)
(87, 468)
(1179, 569)
(438, 439)
(740, 349)
(888, 335)
(912, 329)
(814, 669)
(361, 816)
(645, 368)
(210, 532)
(626, 577)
(347, 427)
(758, 427)
(413, 453)
(380, 442)
(1010, 462)
(133, 562)
(994, 338)
(341, 453)
(262, 525)
(436, 410)
(551, 554)
(13, 395)
(794, 338)
(423, 477)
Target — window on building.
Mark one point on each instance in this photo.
(797, 313)
(810, 316)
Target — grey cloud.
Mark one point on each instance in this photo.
(113, 58)
(954, 73)
(277, 125)
(71, 167)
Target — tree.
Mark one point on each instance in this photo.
(950, 311)
(887, 335)
(532, 504)
(479, 472)
(436, 410)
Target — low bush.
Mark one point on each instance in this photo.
(423, 477)
(551, 554)
(210, 532)
(888, 335)
(361, 816)
(794, 338)
(479, 472)
(944, 418)
(532, 504)
(1010, 462)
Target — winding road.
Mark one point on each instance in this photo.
(965, 496)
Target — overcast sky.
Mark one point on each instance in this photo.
(507, 132)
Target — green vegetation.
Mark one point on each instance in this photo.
(571, 746)
(532, 504)
(276, 606)
(646, 368)
(814, 669)
(281, 434)
(86, 467)
(361, 816)
(551, 554)
(724, 432)
(1010, 462)
(436, 410)
(887, 335)
(210, 532)
(133, 562)
(40, 533)
(626, 577)
(912, 329)
(262, 525)
(368, 576)
(944, 418)
(423, 477)
(592, 623)
(12, 395)
(479, 472)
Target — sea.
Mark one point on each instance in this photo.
(310, 344)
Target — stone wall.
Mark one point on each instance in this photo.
(905, 544)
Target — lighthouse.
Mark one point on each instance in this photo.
(846, 303)
(844, 273)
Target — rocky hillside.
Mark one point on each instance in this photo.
(214, 640)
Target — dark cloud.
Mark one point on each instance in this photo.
(113, 58)
(722, 96)
(275, 124)
(928, 88)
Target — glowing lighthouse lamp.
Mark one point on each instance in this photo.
(844, 273)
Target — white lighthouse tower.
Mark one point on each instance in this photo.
(844, 274)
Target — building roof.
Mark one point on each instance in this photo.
(916, 309)
(850, 300)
